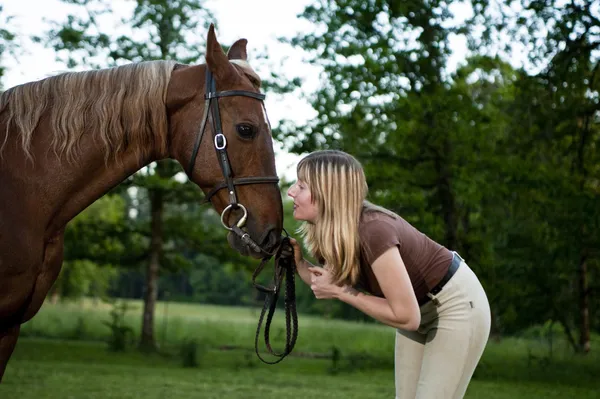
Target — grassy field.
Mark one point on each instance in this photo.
(81, 366)
(210, 325)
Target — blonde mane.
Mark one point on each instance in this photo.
(124, 107)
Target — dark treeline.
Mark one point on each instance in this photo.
(496, 159)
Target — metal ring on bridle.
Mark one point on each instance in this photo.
(222, 137)
(240, 222)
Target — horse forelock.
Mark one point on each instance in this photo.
(124, 107)
(248, 71)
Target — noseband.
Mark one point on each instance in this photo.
(284, 256)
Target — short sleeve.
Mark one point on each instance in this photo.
(376, 237)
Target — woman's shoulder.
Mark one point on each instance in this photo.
(378, 215)
(378, 231)
(372, 222)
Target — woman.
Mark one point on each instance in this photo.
(377, 262)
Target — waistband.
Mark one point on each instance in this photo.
(456, 261)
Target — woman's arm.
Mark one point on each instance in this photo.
(398, 309)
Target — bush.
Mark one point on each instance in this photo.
(119, 331)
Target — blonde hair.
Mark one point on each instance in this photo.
(125, 105)
(338, 187)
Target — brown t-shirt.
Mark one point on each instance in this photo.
(426, 261)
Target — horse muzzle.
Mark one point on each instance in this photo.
(241, 240)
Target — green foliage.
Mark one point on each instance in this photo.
(335, 359)
(7, 39)
(393, 106)
(83, 277)
(96, 241)
(216, 283)
(189, 353)
(554, 140)
(120, 333)
(164, 30)
(172, 29)
(489, 160)
(192, 353)
(545, 27)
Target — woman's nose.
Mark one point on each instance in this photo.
(290, 191)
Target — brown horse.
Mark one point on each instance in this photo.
(68, 139)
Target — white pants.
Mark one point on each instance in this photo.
(438, 360)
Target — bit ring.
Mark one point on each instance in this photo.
(240, 223)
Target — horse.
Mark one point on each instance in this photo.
(70, 138)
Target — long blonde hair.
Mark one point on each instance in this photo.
(338, 187)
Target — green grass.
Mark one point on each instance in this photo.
(212, 325)
(56, 368)
(86, 371)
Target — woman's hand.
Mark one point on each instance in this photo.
(320, 283)
(298, 258)
(301, 264)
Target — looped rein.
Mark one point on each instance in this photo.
(284, 267)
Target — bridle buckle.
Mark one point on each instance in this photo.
(220, 141)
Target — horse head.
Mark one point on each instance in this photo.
(219, 131)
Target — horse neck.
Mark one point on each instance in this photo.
(69, 137)
(86, 179)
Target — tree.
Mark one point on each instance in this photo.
(96, 242)
(490, 160)
(6, 40)
(166, 30)
(563, 134)
(389, 100)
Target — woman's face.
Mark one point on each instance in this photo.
(304, 208)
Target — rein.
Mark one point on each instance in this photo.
(284, 254)
(284, 267)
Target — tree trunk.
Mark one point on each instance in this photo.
(570, 337)
(584, 303)
(147, 341)
(584, 306)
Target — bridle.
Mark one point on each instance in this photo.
(211, 108)
(284, 258)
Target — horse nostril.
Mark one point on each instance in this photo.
(271, 240)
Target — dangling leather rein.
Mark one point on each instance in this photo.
(284, 254)
(284, 267)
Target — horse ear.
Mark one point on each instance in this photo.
(216, 59)
(238, 50)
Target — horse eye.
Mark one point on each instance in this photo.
(246, 131)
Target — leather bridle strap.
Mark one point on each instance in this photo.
(240, 181)
(196, 148)
(233, 93)
(220, 142)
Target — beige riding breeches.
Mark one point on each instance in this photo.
(438, 360)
